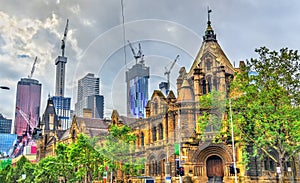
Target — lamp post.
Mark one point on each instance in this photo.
(232, 140)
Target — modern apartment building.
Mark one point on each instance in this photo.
(88, 96)
(137, 90)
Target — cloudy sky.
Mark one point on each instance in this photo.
(95, 41)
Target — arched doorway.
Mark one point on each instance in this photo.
(214, 169)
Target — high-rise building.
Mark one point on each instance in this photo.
(87, 86)
(88, 96)
(137, 89)
(62, 107)
(60, 63)
(5, 124)
(61, 103)
(27, 105)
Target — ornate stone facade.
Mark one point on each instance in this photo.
(173, 120)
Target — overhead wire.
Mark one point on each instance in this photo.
(124, 33)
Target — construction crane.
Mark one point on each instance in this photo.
(168, 71)
(137, 55)
(64, 39)
(33, 68)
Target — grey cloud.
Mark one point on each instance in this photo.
(165, 29)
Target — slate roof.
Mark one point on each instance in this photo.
(92, 126)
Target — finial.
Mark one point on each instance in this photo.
(208, 13)
(209, 33)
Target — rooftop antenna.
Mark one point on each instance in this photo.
(33, 68)
(64, 39)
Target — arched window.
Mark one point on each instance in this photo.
(160, 131)
(208, 65)
(215, 83)
(152, 166)
(204, 86)
(142, 139)
(154, 134)
(155, 106)
(209, 83)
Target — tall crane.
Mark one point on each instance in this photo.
(64, 39)
(168, 71)
(137, 55)
(33, 68)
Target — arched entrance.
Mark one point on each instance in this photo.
(214, 169)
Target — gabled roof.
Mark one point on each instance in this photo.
(50, 110)
(159, 94)
(92, 126)
(171, 95)
(210, 46)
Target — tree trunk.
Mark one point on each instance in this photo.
(281, 174)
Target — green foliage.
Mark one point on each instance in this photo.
(47, 170)
(213, 106)
(15, 173)
(4, 173)
(266, 105)
(85, 158)
(117, 151)
(62, 163)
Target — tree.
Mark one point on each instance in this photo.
(85, 158)
(46, 170)
(213, 107)
(4, 173)
(265, 105)
(63, 163)
(23, 166)
(117, 151)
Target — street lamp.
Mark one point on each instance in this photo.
(4, 87)
(232, 140)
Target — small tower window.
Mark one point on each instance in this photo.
(208, 64)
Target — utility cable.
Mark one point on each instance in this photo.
(124, 33)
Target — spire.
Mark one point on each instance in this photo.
(209, 33)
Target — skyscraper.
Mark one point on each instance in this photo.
(137, 89)
(61, 103)
(27, 102)
(60, 63)
(88, 96)
(5, 124)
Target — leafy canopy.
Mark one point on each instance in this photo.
(266, 103)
